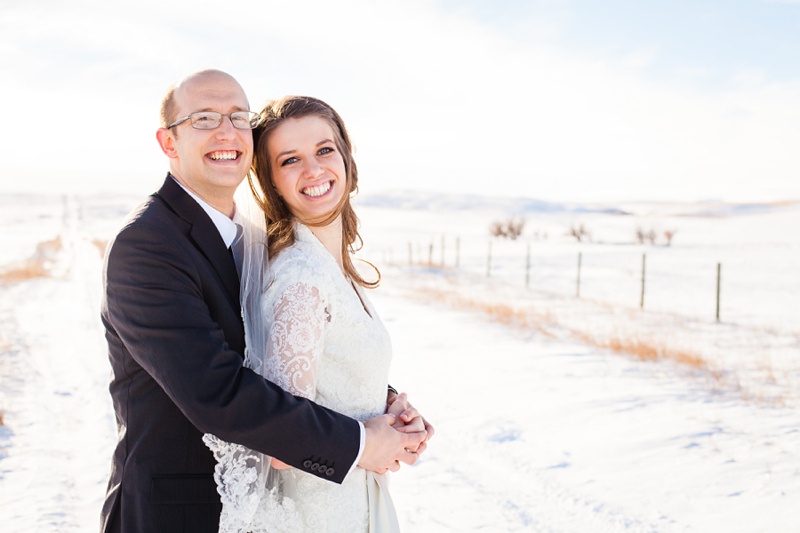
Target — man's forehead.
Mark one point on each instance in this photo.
(207, 92)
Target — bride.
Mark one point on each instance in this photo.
(310, 326)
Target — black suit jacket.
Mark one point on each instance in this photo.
(175, 342)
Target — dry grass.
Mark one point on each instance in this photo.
(546, 324)
(641, 349)
(502, 313)
(35, 266)
(648, 351)
(101, 246)
(23, 273)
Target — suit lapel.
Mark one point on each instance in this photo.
(204, 234)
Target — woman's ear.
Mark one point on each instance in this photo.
(166, 141)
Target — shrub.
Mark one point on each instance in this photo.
(509, 229)
(579, 232)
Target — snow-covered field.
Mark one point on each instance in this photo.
(539, 427)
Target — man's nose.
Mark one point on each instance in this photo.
(225, 128)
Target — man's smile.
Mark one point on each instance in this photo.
(224, 155)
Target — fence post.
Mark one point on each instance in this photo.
(430, 254)
(641, 300)
(528, 267)
(578, 289)
(458, 251)
(719, 286)
(442, 251)
(410, 253)
(489, 260)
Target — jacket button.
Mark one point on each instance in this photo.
(307, 463)
(329, 472)
(315, 467)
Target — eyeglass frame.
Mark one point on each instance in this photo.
(221, 115)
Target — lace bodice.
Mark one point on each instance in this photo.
(325, 342)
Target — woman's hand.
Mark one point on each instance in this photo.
(408, 419)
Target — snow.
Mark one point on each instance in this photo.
(539, 426)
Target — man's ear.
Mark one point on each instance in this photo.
(167, 142)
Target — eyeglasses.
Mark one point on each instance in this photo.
(209, 120)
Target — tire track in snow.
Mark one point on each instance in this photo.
(58, 455)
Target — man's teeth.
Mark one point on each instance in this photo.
(224, 155)
(318, 190)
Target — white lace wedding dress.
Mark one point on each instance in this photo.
(324, 342)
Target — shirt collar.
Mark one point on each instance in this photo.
(227, 228)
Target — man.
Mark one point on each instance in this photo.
(175, 337)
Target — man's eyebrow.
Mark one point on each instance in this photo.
(235, 109)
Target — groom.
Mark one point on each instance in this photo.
(175, 338)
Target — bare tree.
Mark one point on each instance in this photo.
(579, 232)
(497, 229)
(640, 235)
(646, 235)
(669, 235)
(515, 227)
(509, 229)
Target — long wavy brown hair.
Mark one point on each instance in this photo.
(280, 220)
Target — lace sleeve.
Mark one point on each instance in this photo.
(241, 476)
(252, 498)
(296, 339)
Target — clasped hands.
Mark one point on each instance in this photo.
(398, 436)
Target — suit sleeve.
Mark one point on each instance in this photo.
(159, 301)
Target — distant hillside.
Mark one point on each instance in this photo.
(431, 201)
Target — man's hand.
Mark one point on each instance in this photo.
(408, 418)
(385, 448)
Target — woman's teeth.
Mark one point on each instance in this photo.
(317, 190)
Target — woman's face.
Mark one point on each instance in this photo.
(307, 169)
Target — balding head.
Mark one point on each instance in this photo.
(210, 162)
(170, 102)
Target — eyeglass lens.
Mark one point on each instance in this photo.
(208, 120)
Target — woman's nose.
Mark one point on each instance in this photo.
(312, 168)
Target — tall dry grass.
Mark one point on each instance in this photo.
(36, 266)
(101, 246)
(529, 319)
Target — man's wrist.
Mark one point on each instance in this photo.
(361, 444)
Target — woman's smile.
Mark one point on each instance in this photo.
(316, 191)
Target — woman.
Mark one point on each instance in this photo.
(323, 339)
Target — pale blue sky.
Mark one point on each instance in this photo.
(551, 99)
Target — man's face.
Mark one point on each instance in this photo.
(211, 163)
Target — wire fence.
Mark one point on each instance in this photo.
(695, 282)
